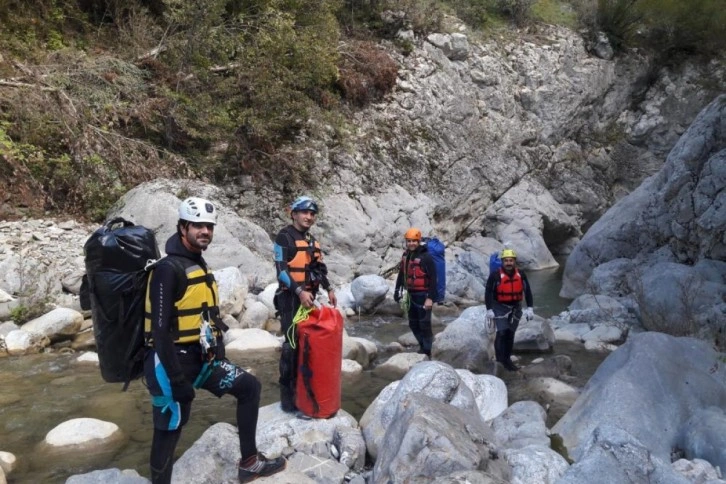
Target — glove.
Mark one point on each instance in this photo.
(491, 327)
(397, 296)
(529, 314)
(181, 390)
(490, 314)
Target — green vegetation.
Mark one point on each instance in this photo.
(668, 27)
(99, 95)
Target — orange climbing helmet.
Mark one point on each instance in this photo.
(412, 234)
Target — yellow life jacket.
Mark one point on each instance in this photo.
(198, 301)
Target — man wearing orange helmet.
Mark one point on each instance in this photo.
(505, 290)
(417, 274)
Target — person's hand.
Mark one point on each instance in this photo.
(428, 303)
(332, 299)
(490, 314)
(528, 314)
(181, 390)
(397, 296)
(307, 299)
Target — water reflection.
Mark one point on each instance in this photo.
(40, 392)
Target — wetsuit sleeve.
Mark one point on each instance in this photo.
(489, 291)
(283, 251)
(162, 291)
(399, 278)
(324, 281)
(430, 268)
(527, 290)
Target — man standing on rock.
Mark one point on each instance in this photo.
(186, 349)
(505, 290)
(300, 273)
(417, 274)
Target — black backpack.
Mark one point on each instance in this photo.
(118, 258)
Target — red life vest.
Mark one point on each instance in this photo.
(414, 276)
(510, 289)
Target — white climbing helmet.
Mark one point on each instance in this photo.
(195, 209)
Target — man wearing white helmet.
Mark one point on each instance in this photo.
(184, 335)
(300, 273)
(505, 290)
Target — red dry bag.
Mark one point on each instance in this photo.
(320, 355)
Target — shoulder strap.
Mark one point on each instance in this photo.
(291, 245)
(180, 272)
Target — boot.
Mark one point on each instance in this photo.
(259, 466)
(508, 344)
(500, 347)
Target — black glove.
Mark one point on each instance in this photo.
(181, 390)
(397, 296)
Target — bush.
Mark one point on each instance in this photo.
(366, 73)
(520, 11)
(692, 27)
(664, 26)
(619, 19)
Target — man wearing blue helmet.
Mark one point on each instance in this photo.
(300, 273)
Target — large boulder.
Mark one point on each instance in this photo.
(465, 343)
(432, 378)
(632, 392)
(428, 438)
(678, 208)
(237, 242)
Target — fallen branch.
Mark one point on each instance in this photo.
(152, 53)
(6, 83)
(229, 67)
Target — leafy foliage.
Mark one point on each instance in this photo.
(366, 73)
(666, 27)
(99, 95)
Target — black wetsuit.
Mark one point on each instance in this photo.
(419, 318)
(167, 362)
(287, 303)
(506, 315)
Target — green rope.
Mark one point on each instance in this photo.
(405, 303)
(301, 315)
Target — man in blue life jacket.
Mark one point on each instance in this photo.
(505, 290)
(417, 274)
(186, 349)
(300, 273)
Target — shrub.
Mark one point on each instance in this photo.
(664, 26)
(618, 19)
(520, 11)
(366, 73)
(695, 26)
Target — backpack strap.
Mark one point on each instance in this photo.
(179, 271)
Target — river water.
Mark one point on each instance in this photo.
(39, 392)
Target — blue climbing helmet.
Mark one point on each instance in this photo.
(304, 203)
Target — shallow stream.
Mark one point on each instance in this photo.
(41, 391)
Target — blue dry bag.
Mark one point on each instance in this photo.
(495, 263)
(437, 248)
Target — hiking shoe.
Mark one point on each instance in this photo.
(509, 365)
(261, 467)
